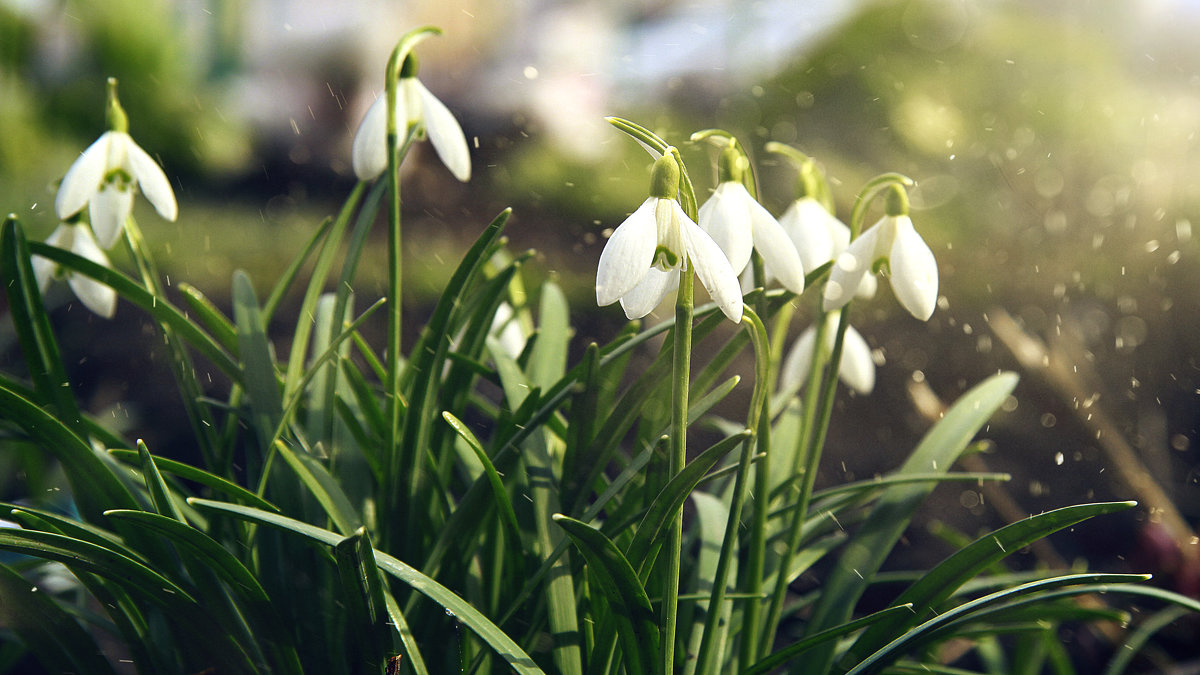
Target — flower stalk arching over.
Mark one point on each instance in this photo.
(414, 105)
(894, 243)
(857, 368)
(740, 226)
(641, 261)
(104, 177)
(77, 238)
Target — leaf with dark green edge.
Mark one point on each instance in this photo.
(105, 562)
(419, 383)
(943, 580)
(213, 556)
(160, 494)
(33, 328)
(197, 475)
(93, 483)
(407, 640)
(618, 485)
(162, 310)
(470, 617)
(637, 626)
(318, 239)
(46, 629)
(326, 257)
(582, 416)
(703, 404)
(260, 379)
(667, 503)
(503, 503)
(1133, 642)
(323, 486)
(548, 359)
(941, 624)
(864, 554)
(366, 611)
(218, 325)
(366, 399)
(32, 518)
(712, 515)
(832, 634)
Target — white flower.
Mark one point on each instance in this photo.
(77, 238)
(506, 329)
(912, 267)
(104, 178)
(414, 105)
(641, 262)
(740, 225)
(857, 368)
(819, 237)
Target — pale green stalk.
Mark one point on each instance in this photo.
(707, 661)
(681, 361)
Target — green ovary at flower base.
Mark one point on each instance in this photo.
(414, 105)
(78, 239)
(740, 225)
(912, 269)
(105, 175)
(642, 260)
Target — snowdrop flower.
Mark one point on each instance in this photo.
(414, 105)
(912, 269)
(642, 260)
(817, 234)
(506, 329)
(740, 225)
(105, 176)
(77, 238)
(857, 367)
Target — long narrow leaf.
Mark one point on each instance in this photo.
(637, 626)
(470, 617)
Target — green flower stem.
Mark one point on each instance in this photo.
(806, 465)
(709, 643)
(760, 421)
(680, 376)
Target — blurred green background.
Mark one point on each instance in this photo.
(1054, 147)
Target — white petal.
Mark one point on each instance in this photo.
(798, 362)
(712, 267)
(369, 153)
(151, 179)
(444, 132)
(650, 292)
(857, 368)
(43, 269)
(96, 296)
(109, 209)
(627, 255)
(805, 224)
(776, 249)
(866, 289)
(914, 274)
(849, 269)
(507, 331)
(83, 178)
(726, 218)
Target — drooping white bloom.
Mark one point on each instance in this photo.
(414, 105)
(641, 261)
(77, 238)
(819, 237)
(857, 368)
(506, 329)
(740, 225)
(912, 269)
(104, 178)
